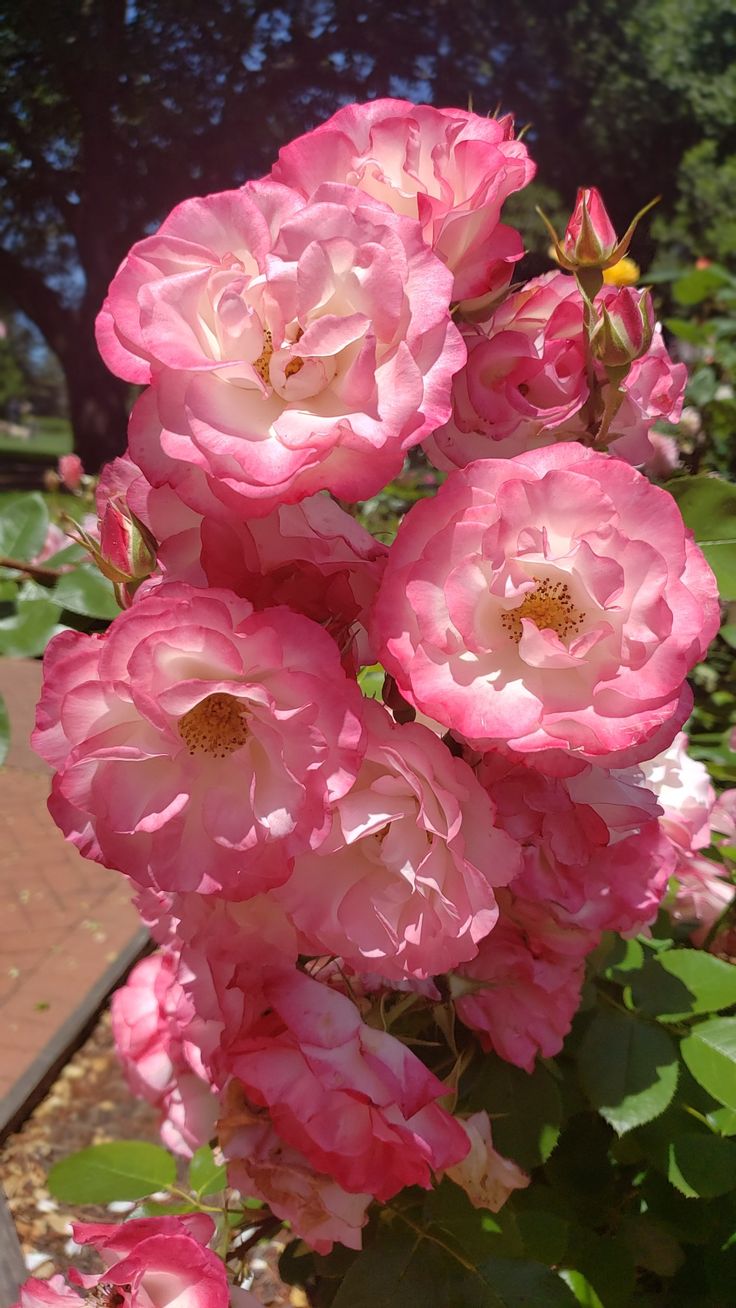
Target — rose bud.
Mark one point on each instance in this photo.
(590, 240)
(125, 552)
(624, 329)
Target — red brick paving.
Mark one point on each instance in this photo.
(63, 920)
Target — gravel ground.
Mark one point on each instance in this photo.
(90, 1103)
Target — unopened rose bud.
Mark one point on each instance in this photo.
(590, 241)
(624, 329)
(127, 549)
(590, 236)
(125, 552)
(71, 471)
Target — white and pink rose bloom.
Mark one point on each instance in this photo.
(403, 885)
(355, 1101)
(150, 1016)
(290, 346)
(163, 1261)
(450, 169)
(197, 744)
(526, 382)
(550, 601)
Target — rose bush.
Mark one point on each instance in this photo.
(410, 820)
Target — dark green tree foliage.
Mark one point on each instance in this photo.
(111, 112)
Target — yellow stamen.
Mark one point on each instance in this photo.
(216, 726)
(263, 361)
(293, 366)
(550, 606)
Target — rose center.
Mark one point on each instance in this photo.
(549, 605)
(216, 726)
(261, 364)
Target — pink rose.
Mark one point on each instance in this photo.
(594, 855)
(403, 884)
(149, 1020)
(354, 1101)
(198, 744)
(684, 790)
(292, 346)
(525, 383)
(141, 1028)
(318, 1210)
(159, 1261)
(313, 557)
(485, 1175)
(704, 892)
(451, 169)
(522, 991)
(54, 1293)
(550, 600)
(226, 953)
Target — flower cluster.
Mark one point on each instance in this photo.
(330, 876)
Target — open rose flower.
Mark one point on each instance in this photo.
(292, 346)
(162, 1261)
(318, 1210)
(354, 1101)
(550, 600)
(522, 990)
(525, 383)
(149, 1019)
(450, 168)
(313, 557)
(593, 851)
(693, 818)
(403, 884)
(198, 744)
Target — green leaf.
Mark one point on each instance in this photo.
(698, 284)
(478, 1233)
(651, 1244)
(708, 506)
(695, 333)
(27, 632)
(702, 1165)
(606, 1264)
(104, 1173)
(400, 1271)
(625, 957)
(681, 982)
(206, 1175)
(86, 591)
(4, 731)
(582, 1289)
(526, 1110)
(710, 1054)
(24, 522)
(628, 1070)
(544, 1235)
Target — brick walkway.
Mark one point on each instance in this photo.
(65, 923)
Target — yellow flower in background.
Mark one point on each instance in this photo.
(624, 273)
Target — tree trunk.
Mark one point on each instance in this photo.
(98, 407)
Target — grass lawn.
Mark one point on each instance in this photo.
(49, 438)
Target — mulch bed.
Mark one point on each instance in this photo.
(88, 1104)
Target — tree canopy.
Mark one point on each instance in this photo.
(113, 111)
